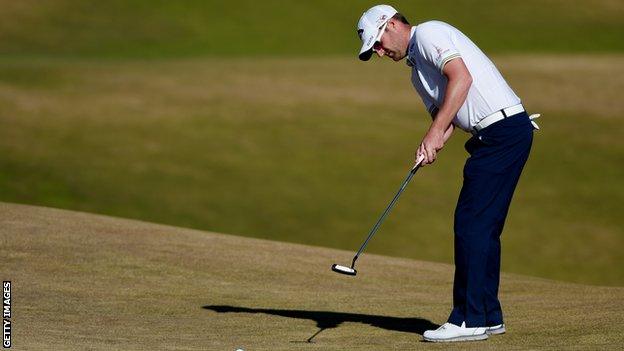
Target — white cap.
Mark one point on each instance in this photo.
(370, 27)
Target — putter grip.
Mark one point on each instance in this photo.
(418, 162)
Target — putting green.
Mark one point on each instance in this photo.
(83, 281)
(311, 151)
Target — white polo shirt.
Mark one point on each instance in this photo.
(432, 45)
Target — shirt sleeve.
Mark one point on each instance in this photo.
(436, 45)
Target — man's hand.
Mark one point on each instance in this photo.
(430, 145)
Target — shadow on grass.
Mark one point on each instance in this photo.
(327, 320)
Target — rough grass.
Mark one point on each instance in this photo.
(157, 28)
(81, 281)
(311, 151)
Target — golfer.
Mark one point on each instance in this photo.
(461, 88)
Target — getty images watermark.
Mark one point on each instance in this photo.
(6, 314)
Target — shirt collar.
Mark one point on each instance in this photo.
(410, 45)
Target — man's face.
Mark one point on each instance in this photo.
(391, 43)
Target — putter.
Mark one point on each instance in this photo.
(351, 270)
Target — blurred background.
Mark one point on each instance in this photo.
(256, 119)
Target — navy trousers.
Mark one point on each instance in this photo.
(497, 155)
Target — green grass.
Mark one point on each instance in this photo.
(311, 151)
(157, 28)
(82, 281)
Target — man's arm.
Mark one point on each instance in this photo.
(449, 130)
(459, 82)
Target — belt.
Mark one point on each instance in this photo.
(497, 116)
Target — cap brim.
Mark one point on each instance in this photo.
(366, 55)
(366, 52)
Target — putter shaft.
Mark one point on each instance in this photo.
(373, 230)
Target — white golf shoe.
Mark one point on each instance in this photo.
(496, 329)
(449, 332)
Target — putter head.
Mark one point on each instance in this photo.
(343, 269)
